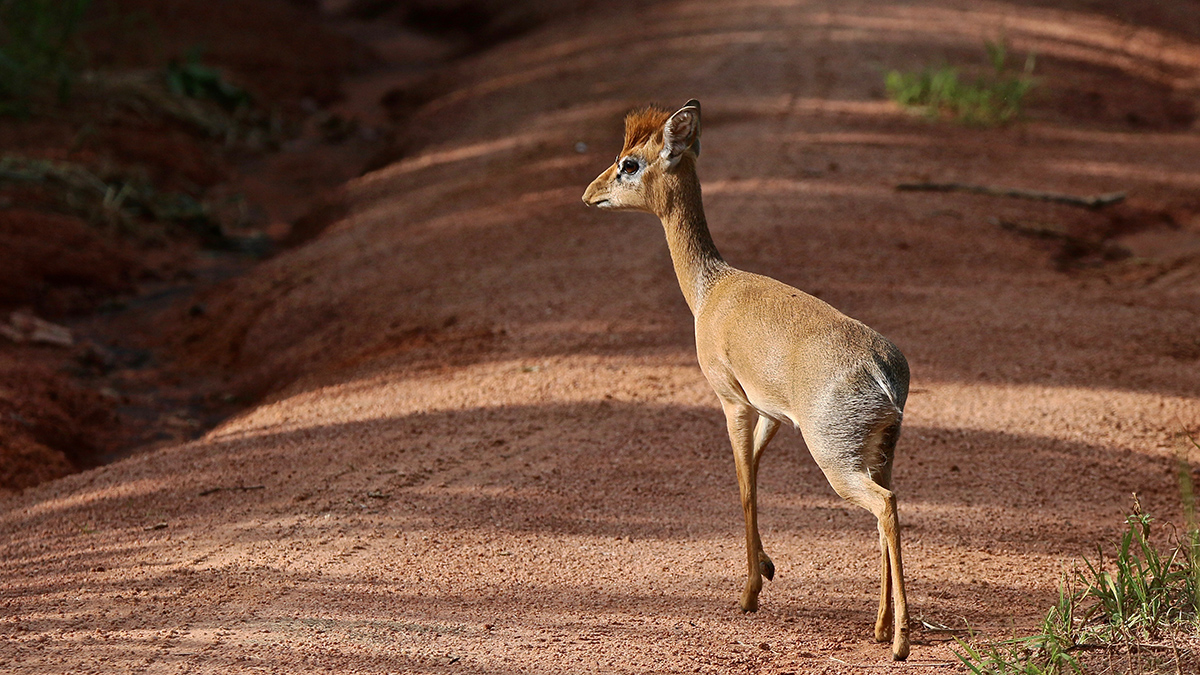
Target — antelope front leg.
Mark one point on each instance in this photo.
(764, 431)
(740, 420)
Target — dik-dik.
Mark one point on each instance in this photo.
(772, 354)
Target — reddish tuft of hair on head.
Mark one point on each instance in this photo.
(644, 124)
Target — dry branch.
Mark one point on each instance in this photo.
(235, 488)
(1089, 202)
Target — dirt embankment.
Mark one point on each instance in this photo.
(484, 443)
(195, 193)
(260, 179)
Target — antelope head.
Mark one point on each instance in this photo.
(658, 144)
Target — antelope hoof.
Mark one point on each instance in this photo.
(749, 602)
(765, 566)
(900, 647)
(883, 631)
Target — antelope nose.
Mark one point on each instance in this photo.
(587, 194)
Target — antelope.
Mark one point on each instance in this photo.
(772, 354)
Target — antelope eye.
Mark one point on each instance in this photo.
(630, 165)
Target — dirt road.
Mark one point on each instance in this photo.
(485, 445)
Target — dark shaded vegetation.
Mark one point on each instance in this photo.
(41, 52)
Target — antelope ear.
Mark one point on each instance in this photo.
(682, 132)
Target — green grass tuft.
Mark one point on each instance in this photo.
(1145, 593)
(1049, 652)
(995, 99)
(193, 79)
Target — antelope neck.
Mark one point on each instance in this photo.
(697, 262)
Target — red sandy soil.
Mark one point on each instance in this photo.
(484, 444)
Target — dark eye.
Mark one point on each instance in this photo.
(630, 165)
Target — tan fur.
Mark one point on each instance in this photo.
(772, 354)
